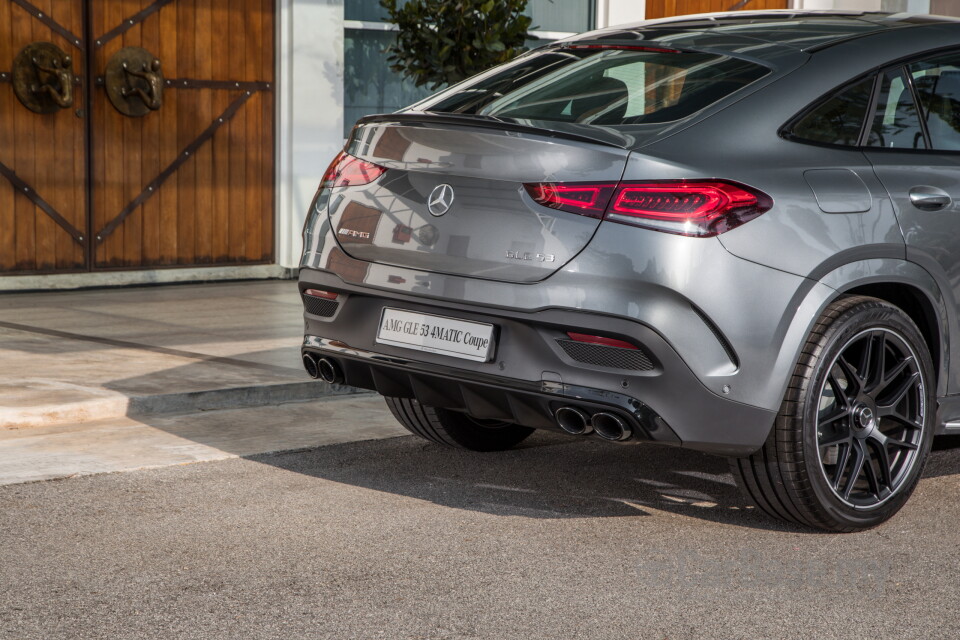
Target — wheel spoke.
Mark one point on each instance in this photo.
(879, 449)
(896, 416)
(899, 394)
(839, 394)
(873, 378)
(843, 456)
(891, 376)
(830, 441)
(858, 460)
(872, 481)
(865, 358)
(901, 444)
(854, 382)
(839, 414)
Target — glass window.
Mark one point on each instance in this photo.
(937, 83)
(838, 120)
(369, 86)
(366, 10)
(896, 123)
(609, 86)
(573, 16)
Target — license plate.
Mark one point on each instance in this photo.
(436, 334)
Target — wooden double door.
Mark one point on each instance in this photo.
(135, 134)
(669, 8)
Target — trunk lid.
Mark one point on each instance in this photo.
(482, 223)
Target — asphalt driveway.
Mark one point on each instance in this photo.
(396, 538)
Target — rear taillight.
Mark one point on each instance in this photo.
(699, 208)
(319, 293)
(601, 340)
(623, 47)
(691, 208)
(349, 171)
(582, 198)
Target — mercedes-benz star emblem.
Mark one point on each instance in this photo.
(440, 200)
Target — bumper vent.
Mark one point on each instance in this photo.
(603, 356)
(320, 306)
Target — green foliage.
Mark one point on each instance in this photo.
(444, 41)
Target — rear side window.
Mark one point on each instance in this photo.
(896, 121)
(607, 86)
(838, 120)
(937, 84)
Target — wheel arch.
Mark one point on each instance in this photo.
(912, 289)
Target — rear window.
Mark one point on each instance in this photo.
(601, 86)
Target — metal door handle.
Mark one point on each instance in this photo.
(134, 82)
(59, 71)
(929, 198)
(43, 78)
(153, 96)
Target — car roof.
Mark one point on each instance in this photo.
(734, 31)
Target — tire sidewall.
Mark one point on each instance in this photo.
(857, 319)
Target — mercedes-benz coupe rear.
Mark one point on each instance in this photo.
(735, 233)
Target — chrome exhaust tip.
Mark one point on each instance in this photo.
(572, 420)
(329, 371)
(610, 427)
(310, 364)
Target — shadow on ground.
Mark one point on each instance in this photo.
(549, 476)
(553, 476)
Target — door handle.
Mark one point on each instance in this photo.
(43, 78)
(929, 198)
(134, 82)
(152, 96)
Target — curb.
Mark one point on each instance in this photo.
(104, 404)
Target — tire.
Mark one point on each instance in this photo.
(456, 429)
(828, 463)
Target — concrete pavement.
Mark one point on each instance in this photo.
(75, 356)
(397, 538)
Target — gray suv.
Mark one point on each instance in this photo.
(731, 233)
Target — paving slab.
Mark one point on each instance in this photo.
(126, 444)
(68, 357)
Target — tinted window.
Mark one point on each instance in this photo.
(937, 83)
(896, 122)
(838, 120)
(607, 86)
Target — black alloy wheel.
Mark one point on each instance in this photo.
(855, 426)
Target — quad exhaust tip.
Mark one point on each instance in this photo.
(310, 364)
(322, 369)
(572, 420)
(329, 371)
(610, 427)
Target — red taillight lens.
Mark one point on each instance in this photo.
(625, 47)
(607, 342)
(586, 199)
(349, 171)
(691, 208)
(700, 208)
(319, 293)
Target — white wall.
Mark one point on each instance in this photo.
(310, 110)
(613, 12)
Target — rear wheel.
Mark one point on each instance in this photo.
(855, 426)
(456, 429)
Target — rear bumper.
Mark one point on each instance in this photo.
(531, 374)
